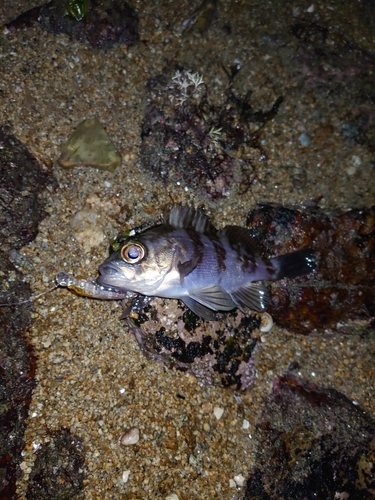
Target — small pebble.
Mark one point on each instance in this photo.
(356, 161)
(304, 140)
(125, 476)
(218, 412)
(172, 496)
(131, 436)
(245, 424)
(239, 480)
(87, 228)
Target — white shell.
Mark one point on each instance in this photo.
(266, 323)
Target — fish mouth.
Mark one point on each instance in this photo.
(109, 275)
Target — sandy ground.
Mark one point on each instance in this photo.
(92, 377)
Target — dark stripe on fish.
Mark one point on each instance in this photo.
(220, 253)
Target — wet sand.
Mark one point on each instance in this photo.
(92, 377)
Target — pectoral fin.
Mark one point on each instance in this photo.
(255, 296)
(185, 268)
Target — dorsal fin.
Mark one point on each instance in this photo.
(188, 217)
(240, 236)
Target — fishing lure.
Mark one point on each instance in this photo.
(83, 287)
(90, 288)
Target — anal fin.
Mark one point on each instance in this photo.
(254, 295)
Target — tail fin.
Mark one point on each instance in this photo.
(291, 265)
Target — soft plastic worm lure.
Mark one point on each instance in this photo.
(90, 288)
(83, 287)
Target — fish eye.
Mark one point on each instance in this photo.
(132, 252)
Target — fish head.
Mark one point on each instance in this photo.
(140, 265)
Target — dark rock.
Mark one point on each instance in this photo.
(21, 180)
(17, 372)
(314, 443)
(221, 352)
(189, 141)
(341, 292)
(57, 469)
(106, 22)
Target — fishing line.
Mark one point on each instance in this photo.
(31, 299)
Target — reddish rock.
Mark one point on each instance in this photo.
(314, 443)
(341, 293)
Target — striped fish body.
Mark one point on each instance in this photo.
(210, 270)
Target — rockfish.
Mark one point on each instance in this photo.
(211, 270)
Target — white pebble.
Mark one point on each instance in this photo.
(239, 480)
(245, 424)
(172, 496)
(131, 436)
(125, 476)
(356, 161)
(218, 412)
(266, 323)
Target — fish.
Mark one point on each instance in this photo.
(213, 271)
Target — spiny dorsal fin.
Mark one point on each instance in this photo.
(188, 217)
(240, 236)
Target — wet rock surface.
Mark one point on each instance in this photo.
(216, 352)
(314, 443)
(101, 23)
(17, 372)
(21, 180)
(57, 471)
(340, 294)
